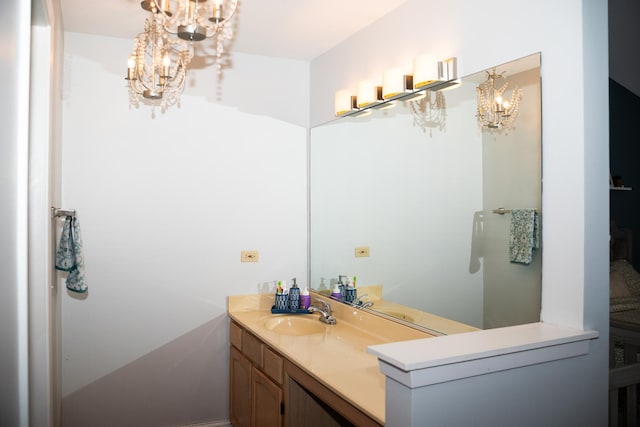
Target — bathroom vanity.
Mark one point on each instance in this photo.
(366, 370)
(294, 370)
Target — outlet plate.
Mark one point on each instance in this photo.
(249, 256)
(362, 251)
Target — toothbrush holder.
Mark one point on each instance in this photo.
(282, 301)
(350, 295)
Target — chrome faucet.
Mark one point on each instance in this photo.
(325, 313)
(361, 304)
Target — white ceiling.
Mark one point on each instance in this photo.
(296, 29)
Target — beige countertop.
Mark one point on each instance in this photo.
(432, 322)
(337, 355)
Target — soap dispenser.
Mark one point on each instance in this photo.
(335, 293)
(294, 296)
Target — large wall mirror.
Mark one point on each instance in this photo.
(417, 185)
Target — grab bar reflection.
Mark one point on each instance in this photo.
(502, 211)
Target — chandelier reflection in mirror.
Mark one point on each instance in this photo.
(495, 111)
(429, 111)
(157, 67)
(196, 20)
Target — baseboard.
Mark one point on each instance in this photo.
(223, 423)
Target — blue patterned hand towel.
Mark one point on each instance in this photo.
(69, 256)
(524, 235)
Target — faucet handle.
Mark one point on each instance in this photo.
(326, 307)
(360, 298)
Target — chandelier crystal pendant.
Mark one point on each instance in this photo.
(196, 20)
(495, 111)
(429, 111)
(193, 20)
(157, 66)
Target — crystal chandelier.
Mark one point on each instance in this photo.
(157, 67)
(494, 110)
(195, 20)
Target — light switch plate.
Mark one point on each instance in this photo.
(362, 251)
(249, 256)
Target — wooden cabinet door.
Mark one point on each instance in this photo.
(267, 401)
(239, 389)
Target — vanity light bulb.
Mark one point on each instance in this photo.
(506, 104)
(392, 83)
(367, 93)
(498, 99)
(425, 70)
(342, 102)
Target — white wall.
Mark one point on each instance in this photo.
(166, 205)
(15, 22)
(572, 36)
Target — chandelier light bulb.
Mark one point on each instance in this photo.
(166, 64)
(131, 67)
(217, 12)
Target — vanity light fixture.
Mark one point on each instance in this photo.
(495, 111)
(429, 74)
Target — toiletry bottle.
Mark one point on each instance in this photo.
(305, 299)
(294, 296)
(335, 293)
(341, 286)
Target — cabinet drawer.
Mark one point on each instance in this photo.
(272, 364)
(235, 335)
(252, 348)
